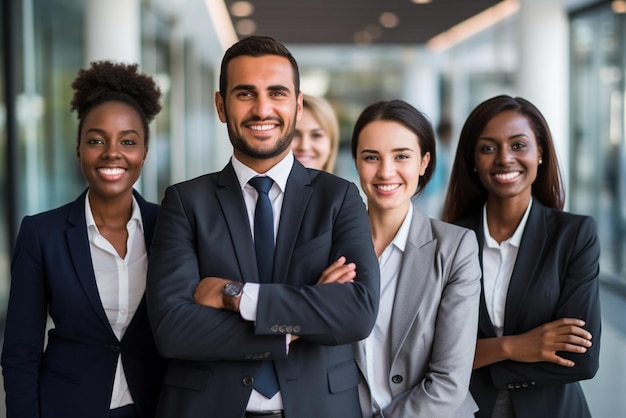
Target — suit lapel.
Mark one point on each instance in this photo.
(295, 201)
(531, 248)
(78, 246)
(414, 280)
(475, 223)
(233, 207)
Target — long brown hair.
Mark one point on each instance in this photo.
(466, 193)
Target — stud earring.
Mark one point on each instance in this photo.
(540, 161)
(475, 170)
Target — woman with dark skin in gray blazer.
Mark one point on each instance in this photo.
(539, 326)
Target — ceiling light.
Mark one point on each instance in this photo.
(473, 25)
(618, 6)
(241, 9)
(388, 20)
(374, 31)
(362, 38)
(246, 27)
(421, 1)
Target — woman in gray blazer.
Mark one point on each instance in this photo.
(418, 359)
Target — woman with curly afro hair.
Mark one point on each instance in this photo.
(84, 266)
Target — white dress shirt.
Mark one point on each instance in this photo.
(378, 344)
(498, 263)
(121, 284)
(248, 304)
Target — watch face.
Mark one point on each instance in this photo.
(232, 289)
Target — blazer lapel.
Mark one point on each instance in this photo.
(233, 208)
(297, 195)
(476, 223)
(414, 280)
(531, 248)
(78, 246)
(148, 216)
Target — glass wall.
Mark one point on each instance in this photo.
(4, 230)
(50, 46)
(598, 159)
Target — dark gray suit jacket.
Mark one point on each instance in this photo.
(202, 231)
(555, 276)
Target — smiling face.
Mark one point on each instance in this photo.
(311, 144)
(507, 156)
(260, 107)
(389, 162)
(111, 149)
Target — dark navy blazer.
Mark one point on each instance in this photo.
(203, 231)
(52, 274)
(555, 276)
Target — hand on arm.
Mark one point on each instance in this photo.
(209, 292)
(536, 345)
(338, 272)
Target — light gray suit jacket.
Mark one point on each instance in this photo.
(433, 325)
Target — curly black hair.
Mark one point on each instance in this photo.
(106, 81)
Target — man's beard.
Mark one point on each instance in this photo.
(240, 144)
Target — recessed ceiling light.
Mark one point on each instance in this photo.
(388, 20)
(241, 9)
(374, 31)
(618, 6)
(245, 27)
(421, 1)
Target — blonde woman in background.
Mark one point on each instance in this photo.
(316, 141)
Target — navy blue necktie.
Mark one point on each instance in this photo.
(265, 382)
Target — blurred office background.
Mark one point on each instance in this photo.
(443, 56)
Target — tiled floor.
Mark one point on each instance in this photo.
(606, 393)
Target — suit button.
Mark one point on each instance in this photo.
(289, 329)
(115, 348)
(267, 355)
(248, 381)
(533, 383)
(510, 386)
(274, 328)
(282, 328)
(524, 385)
(296, 329)
(397, 379)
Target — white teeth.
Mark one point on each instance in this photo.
(111, 171)
(387, 187)
(507, 176)
(262, 127)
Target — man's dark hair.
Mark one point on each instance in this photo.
(257, 46)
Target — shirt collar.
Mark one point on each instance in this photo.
(516, 238)
(279, 173)
(402, 236)
(91, 222)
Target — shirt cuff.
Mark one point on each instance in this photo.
(249, 301)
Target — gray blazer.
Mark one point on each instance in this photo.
(433, 325)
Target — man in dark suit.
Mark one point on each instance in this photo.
(212, 310)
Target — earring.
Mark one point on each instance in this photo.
(540, 161)
(475, 170)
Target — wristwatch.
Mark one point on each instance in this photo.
(231, 292)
